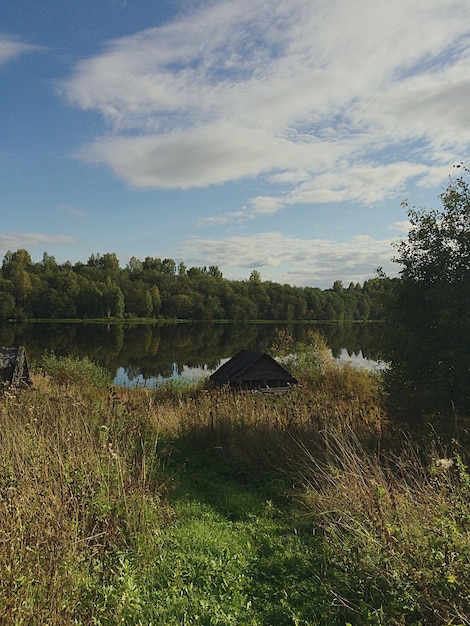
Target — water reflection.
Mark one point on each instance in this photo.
(145, 354)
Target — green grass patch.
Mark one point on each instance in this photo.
(231, 555)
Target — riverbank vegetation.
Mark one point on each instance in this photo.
(198, 505)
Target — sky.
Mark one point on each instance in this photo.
(275, 135)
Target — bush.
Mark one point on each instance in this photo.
(73, 370)
(301, 358)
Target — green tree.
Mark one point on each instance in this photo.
(156, 300)
(379, 290)
(180, 306)
(20, 258)
(168, 267)
(49, 262)
(108, 262)
(89, 300)
(7, 301)
(112, 299)
(17, 268)
(438, 244)
(259, 296)
(134, 266)
(429, 314)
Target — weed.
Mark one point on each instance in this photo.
(77, 485)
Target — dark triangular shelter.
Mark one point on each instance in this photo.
(14, 367)
(253, 370)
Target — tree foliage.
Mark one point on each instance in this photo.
(156, 288)
(438, 246)
(430, 354)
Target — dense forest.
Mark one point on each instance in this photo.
(162, 289)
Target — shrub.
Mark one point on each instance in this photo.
(301, 358)
(73, 370)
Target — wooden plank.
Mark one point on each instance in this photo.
(17, 377)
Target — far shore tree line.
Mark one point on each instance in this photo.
(162, 289)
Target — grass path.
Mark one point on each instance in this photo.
(236, 552)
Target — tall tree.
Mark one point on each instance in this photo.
(113, 299)
(17, 268)
(430, 356)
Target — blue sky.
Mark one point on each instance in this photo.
(277, 135)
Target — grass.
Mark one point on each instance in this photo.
(80, 483)
(396, 531)
(264, 432)
(65, 370)
(200, 506)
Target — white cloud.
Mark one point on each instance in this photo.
(355, 260)
(367, 182)
(429, 105)
(11, 48)
(265, 205)
(194, 158)
(14, 241)
(329, 100)
(67, 209)
(237, 217)
(260, 205)
(363, 182)
(402, 227)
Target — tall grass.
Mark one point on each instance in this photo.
(393, 518)
(88, 535)
(81, 483)
(67, 370)
(396, 532)
(264, 431)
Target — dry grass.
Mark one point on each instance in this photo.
(80, 473)
(264, 431)
(396, 532)
(84, 472)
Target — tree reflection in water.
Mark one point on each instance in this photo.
(145, 352)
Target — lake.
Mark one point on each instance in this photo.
(148, 354)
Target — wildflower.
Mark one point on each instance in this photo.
(444, 464)
(112, 452)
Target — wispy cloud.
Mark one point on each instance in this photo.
(68, 209)
(234, 217)
(329, 101)
(13, 241)
(11, 48)
(401, 227)
(354, 260)
(258, 206)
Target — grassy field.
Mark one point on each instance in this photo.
(188, 505)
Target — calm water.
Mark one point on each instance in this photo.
(146, 355)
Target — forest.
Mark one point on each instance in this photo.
(162, 289)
